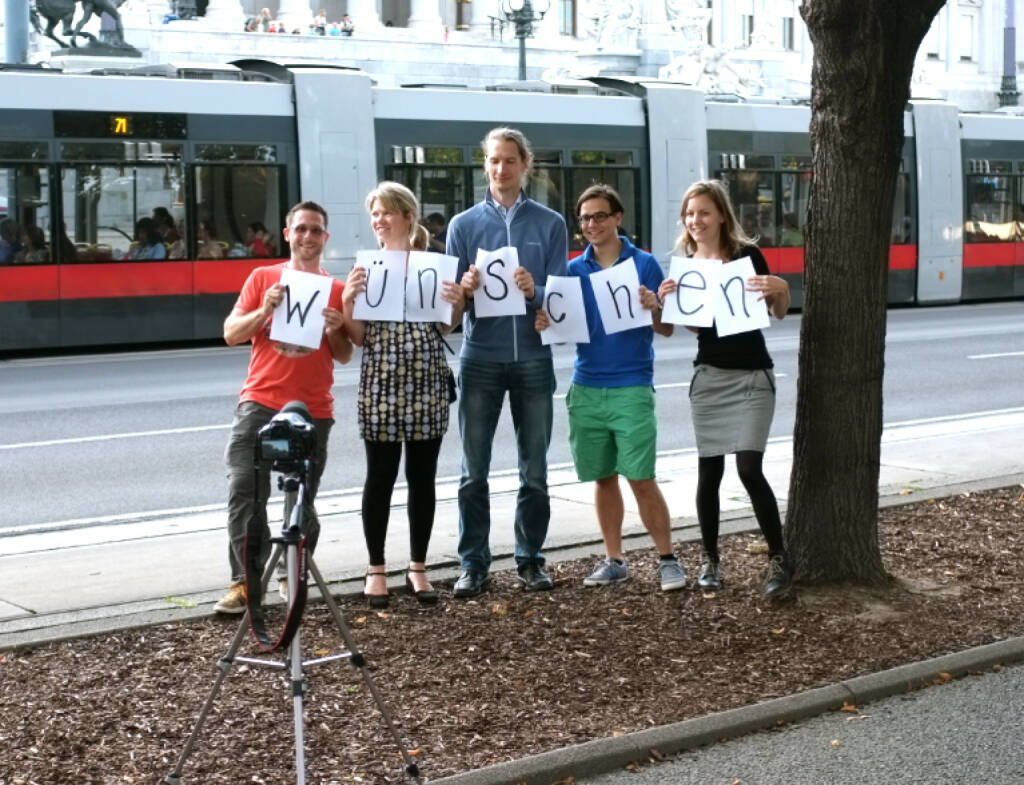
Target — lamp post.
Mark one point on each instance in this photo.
(523, 14)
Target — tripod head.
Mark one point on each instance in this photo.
(288, 441)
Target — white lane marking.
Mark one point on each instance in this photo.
(991, 356)
(668, 386)
(109, 436)
(183, 520)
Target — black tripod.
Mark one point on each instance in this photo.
(289, 543)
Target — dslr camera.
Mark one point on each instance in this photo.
(288, 440)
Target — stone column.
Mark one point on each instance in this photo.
(294, 14)
(364, 15)
(226, 16)
(952, 55)
(718, 29)
(425, 15)
(477, 16)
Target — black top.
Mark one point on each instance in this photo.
(745, 351)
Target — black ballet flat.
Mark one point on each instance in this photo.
(377, 601)
(426, 596)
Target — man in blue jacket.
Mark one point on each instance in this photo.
(613, 426)
(504, 354)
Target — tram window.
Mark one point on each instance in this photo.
(239, 212)
(796, 162)
(793, 197)
(121, 151)
(602, 158)
(622, 180)
(24, 151)
(753, 195)
(901, 221)
(547, 185)
(266, 153)
(442, 155)
(440, 189)
(25, 223)
(990, 209)
(104, 205)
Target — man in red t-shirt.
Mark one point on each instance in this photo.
(278, 373)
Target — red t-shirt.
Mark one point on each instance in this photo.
(279, 373)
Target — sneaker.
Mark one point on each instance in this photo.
(533, 578)
(282, 588)
(233, 601)
(606, 572)
(672, 575)
(779, 579)
(710, 578)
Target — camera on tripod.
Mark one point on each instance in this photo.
(288, 441)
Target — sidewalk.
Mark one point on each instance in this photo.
(82, 581)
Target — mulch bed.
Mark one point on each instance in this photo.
(507, 675)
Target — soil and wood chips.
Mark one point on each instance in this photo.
(510, 674)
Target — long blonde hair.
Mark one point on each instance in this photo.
(733, 237)
(399, 199)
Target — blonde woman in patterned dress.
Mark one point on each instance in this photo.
(403, 400)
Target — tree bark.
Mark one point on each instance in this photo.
(864, 54)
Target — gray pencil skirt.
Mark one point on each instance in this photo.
(732, 409)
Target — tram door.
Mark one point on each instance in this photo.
(940, 210)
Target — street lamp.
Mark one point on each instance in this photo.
(523, 14)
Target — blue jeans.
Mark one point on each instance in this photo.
(483, 385)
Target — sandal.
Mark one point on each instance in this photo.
(377, 600)
(425, 596)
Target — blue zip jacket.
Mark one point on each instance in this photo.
(623, 359)
(539, 235)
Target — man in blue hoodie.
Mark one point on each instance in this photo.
(504, 354)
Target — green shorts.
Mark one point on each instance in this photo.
(612, 430)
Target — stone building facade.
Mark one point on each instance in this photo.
(753, 48)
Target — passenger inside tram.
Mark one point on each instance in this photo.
(34, 249)
(258, 240)
(148, 245)
(9, 243)
(209, 247)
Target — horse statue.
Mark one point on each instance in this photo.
(63, 11)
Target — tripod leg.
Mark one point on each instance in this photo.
(223, 666)
(359, 662)
(295, 670)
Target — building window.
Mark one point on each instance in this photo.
(788, 40)
(931, 40)
(966, 35)
(746, 29)
(567, 17)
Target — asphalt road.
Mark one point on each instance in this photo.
(109, 434)
(966, 731)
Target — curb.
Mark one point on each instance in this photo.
(602, 755)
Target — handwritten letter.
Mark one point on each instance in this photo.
(563, 301)
(384, 298)
(299, 319)
(692, 303)
(617, 291)
(736, 309)
(498, 294)
(423, 281)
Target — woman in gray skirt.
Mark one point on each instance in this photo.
(732, 393)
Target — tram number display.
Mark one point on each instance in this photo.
(120, 125)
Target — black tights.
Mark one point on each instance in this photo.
(381, 472)
(766, 509)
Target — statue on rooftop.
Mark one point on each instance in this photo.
(63, 12)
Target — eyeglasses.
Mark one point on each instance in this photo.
(598, 218)
(316, 231)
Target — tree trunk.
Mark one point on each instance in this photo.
(863, 59)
